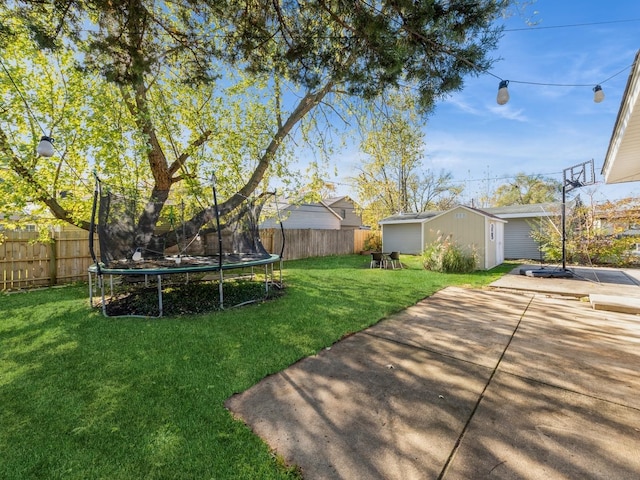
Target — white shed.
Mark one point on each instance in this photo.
(468, 227)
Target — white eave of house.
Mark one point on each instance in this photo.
(622, 163)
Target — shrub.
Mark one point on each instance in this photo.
(373, 242)
(446, 256)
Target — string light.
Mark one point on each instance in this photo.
(598, 94)
(503, 92)
(45, 147)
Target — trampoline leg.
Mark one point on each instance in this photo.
(104, 304)
(266, 280)
(221, 289)
(90, 292)
(160, 294)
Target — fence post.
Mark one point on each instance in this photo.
(53, 262)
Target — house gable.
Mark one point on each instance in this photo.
(346, 209)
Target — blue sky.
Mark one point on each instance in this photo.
(543, 129)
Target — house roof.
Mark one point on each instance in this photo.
(332, 200)
(621, 163)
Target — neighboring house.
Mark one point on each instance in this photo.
(468, 227)
(337, 213)
(12, 219)
(523, 221)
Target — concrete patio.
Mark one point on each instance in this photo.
(505, 382)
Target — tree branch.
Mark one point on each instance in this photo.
(39, 191)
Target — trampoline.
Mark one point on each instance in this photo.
(203, 246)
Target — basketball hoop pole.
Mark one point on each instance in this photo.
(564, 228)
(574, 177)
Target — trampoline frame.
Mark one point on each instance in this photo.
(99, 272)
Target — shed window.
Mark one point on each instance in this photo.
(460, 215)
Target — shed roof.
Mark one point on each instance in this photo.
(420, 217)
(484, 213)
(548, 209)
(423, 217)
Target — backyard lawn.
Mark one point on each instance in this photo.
(85, 397)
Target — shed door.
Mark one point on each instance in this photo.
(499, 233)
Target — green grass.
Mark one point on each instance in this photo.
(86, 397)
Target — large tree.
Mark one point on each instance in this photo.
(527, 189)
(392, 177)
(173, 91)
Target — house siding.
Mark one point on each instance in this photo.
(518, 241)
(346, 209)
(305, 216)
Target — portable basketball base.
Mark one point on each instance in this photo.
(580, 175)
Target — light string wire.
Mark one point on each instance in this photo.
(570, 25)
(84, 181)
(22, 97)
(488, 72)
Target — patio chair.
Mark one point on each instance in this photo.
(378, 260)
(393, 258)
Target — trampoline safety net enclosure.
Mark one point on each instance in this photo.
(146, 248)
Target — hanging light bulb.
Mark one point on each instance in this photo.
(503, 92)
(45, 147)
(598, 94)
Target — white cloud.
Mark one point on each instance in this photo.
(505, 111)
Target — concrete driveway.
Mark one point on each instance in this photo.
(504, 383)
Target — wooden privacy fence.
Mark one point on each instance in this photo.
(305, 243)
(27, 263)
